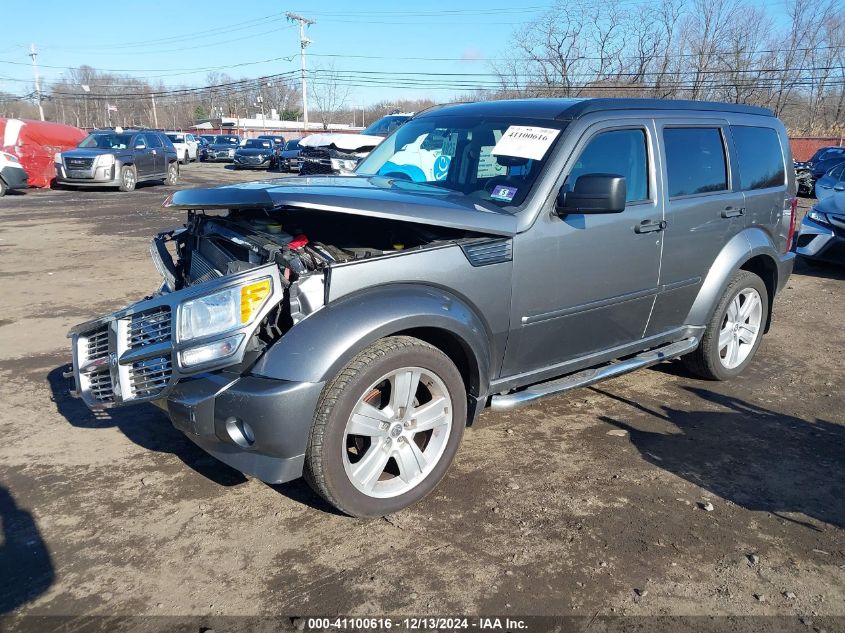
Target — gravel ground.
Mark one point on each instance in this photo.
(652, 494)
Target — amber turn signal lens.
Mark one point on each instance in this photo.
(252, 298)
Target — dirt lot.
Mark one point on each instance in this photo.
(548, 510)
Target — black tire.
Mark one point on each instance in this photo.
(126, 183)
(324, 469)
(172, 177)
(3, 188)
(705, 360)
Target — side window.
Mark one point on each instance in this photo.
(695, 160)
(760, 157)
(139, 141)
(621, 152)
(153, 140)
(838, 172)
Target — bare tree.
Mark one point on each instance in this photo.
(330, 92)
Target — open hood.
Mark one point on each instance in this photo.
(346, 142)
(373, 196)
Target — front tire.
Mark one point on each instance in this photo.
(128, 178)
(735, 331)
(386, 428)
(172, 174)
(3, 188)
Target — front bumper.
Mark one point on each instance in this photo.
(212, 409)
(93, 177)
(245, 163)
(821, 242)
(14, 177)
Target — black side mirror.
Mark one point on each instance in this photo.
(594, 193)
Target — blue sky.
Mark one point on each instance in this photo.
(390, 36)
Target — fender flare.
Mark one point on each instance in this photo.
(744, 246)
(317, 347)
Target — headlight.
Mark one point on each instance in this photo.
(261, 157)
(10, 157)
(222, 311)
(817, 216)
(105, 160)
(57, 157)
(231, 152)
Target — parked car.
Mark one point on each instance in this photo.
(831, 182)
(289, 157)
(223, 147)
(276, 140)
(822, 161)
(821, 236)
(12, 173)
(349, 329)
(35, 144)
(203, 148)
(255, 153)
(340, 153)
(187, 146)
(118, 158)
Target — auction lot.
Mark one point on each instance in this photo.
(652, 494)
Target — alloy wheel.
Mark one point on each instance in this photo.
(740, 328)
(397, 433)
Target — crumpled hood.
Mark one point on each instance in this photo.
(348, 142)
(373, 196)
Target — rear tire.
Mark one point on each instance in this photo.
(369, 455)
(128, 178)
(735, 330)
(3, 188)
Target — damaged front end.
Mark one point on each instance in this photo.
(328, 160)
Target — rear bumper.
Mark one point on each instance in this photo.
(14, 177)
(785, 265)
(819, 242)
(213, 410)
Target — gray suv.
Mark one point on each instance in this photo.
(349, 329)
(118, 158)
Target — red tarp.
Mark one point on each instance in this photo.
(35, 143)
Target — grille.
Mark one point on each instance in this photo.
(486, 253)
(100, 385)
(99, 380)
(79, 163)
(149, 377)
(150, 327)
(250, 160)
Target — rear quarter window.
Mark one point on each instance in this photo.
(760, 157)
(695, 160)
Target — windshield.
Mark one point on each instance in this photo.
(226, 140)
(385, 125)
(107, 141)
(257, 143)
(176, 138)
(492, 159)
(292, 145)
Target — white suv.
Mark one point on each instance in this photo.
(186, 146)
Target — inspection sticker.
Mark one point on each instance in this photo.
(525, 142)
(501, 192)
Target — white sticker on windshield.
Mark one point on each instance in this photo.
(525, 142)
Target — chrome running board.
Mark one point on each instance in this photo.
(587, 377)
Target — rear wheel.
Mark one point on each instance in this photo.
(735, 331)
(386, 428)
(3, 188)
(128, 178)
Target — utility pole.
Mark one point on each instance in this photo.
(303, 42)
(34, 55)
(155, 114)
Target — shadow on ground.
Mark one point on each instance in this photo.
(823, 270)
(26, 570)
(145, 425)
(756, 458)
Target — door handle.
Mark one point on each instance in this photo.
(839, 188)
(650, 226)
(733, 212)
(825, 186)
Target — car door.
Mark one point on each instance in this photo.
(585, 283)
(192, 143)
(159, 161)
(144, 157)
(704, 209)
(760, 161)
